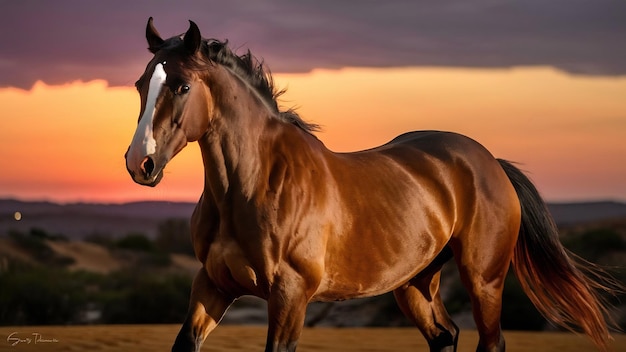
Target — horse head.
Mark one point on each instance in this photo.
(194, 87)
(174, 104)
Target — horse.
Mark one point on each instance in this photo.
(283, 218)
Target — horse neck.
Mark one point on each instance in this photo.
(230, 150)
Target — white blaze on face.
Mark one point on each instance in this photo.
(144, 135)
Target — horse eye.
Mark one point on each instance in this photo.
(182, 89)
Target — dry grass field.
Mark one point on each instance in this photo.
(139, 338)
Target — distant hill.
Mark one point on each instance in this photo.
(578, 213)
(79, 220)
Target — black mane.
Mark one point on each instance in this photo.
(252, 70)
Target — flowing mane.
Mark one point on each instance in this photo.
(251, 70)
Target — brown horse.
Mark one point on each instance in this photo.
(285, 219)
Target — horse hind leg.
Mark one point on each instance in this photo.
(421, 302)
(483, 275)
(486, 298)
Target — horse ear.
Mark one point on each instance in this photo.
(193, 39)
(154, 38)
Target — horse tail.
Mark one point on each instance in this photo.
(564, 288)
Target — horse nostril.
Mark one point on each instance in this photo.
(147, 166)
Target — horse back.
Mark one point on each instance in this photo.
(466, 181)
(402, 203)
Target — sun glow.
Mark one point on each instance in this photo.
(66, 143)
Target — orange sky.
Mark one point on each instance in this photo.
(66, 143)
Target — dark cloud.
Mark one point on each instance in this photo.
(66, 40)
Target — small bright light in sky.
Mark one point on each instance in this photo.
(17, 216)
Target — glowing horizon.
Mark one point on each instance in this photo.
(66, 143)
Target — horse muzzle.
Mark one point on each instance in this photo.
(146, 171)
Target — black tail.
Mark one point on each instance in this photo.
(566, 291)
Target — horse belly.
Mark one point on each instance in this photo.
(369, 268)
(395, 221)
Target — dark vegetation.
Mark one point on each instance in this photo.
(147, 290)
(45, 291)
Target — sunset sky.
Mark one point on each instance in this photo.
(543, 84)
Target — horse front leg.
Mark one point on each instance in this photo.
(207, 305)
(286, 311)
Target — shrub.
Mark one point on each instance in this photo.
(146, 299)
(594, 244)
(135, 242)
(40, 296)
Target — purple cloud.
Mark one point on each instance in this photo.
(66, 40)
